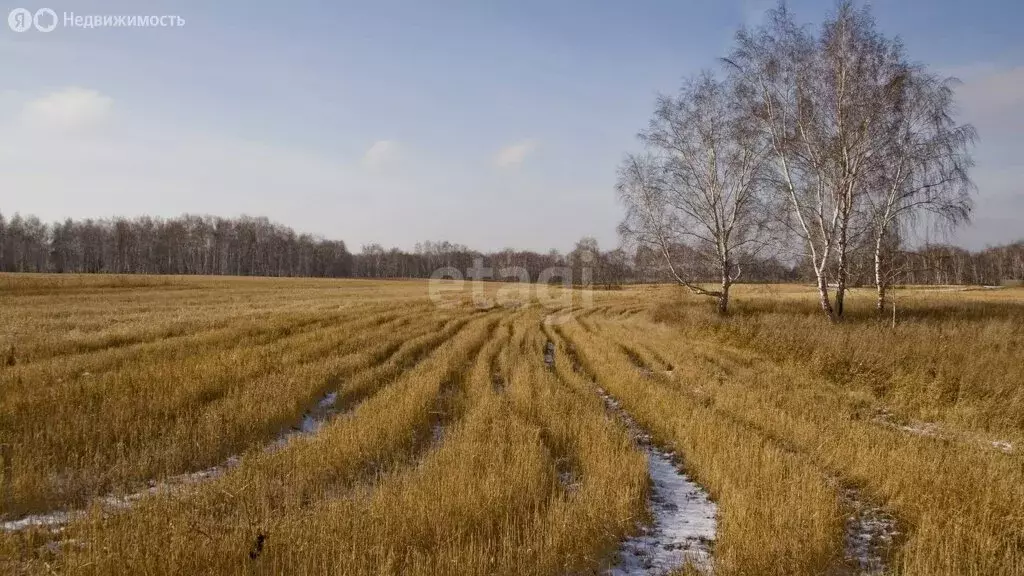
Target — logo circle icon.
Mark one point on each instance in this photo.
(45, 24)
(21, 19)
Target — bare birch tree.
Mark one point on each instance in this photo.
(774, 69)
(825, 104)
(694, 195)
(922, 172)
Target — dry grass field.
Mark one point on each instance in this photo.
(171, 425)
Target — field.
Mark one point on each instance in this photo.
(171, 425)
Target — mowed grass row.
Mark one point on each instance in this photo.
(532, 481)
(489, 499)
(777, 513)
(268, 488)
(954, 356)
(960, 503)
(161, 418)
(530, 474)
(110, 419)
(63, 322)
(370, 493)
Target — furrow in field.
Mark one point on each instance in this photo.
(242, 331)
(382, 360)
(683, 530)
(269, 488)
(884, 417)
(311, 420)
(486, 500)
(870, 529)
(516, 345)
(219, 407)
(683, 517)
(604, 484)
(90, 330)
(748, 478)
(101, 356)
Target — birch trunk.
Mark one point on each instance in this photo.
(879, 277)
(723, 297)
(826, 303)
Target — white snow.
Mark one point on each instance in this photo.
(684, 516)
(1003, 445)
(310, 422)
(932, 430)
(328, 400)
(683, 529)
(54, 520)
(870, 532)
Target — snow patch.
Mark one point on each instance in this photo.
(870, 534)
(1003, 445)
(684, 523)
(310, 422)
(55, 520)
(50, 519)
(932, 430)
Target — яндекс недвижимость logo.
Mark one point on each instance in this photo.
(46, 20)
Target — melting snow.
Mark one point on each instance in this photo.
(1003, 445)
(683, 529)
(870, 532)
(684, 517)
(55, 520)
(932, 430)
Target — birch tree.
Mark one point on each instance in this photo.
(922, 175)
(773, 67)
(824, 102)
(693, 196)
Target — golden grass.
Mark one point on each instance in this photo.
(458, 452)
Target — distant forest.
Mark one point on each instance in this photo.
(248, 246)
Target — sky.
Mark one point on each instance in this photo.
(487, 123)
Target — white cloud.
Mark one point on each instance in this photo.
(514, 154)
(380, 153)
(68, 109)
(139, 163)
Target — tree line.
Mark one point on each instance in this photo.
(187, 245)
(249, 246)
(826, 144)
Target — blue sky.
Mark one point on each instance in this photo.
(486, 123)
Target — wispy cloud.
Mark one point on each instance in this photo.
(380, 153)
(71, 108)
(514, 154)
